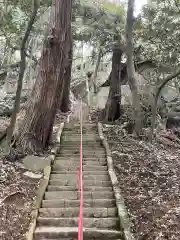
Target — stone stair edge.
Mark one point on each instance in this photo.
(89, 222)
(75, 203)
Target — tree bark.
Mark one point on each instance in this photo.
(130, 67)
(67, 80)
(21, 74)
(113, 105)
(36, 131)
(96, 69)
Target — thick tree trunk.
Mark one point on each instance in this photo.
(67, 80)
(130, 67)
(113, 105)
(36, 131)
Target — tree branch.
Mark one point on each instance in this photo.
(167, 79)
(160, 87)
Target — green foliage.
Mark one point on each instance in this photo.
(98, 25)
(14, 15)
(114, 9)
(158, 32)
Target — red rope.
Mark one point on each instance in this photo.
(80, 227)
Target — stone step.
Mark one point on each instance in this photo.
(85, 147)
(84, 172)
(85, 151)
(67, 177)
(75, 167)
(76, 150)
(61, 232)
(76, 159)
(77, 125)
(77, 144)
(72, 182)
(77, 133)
(75, 137)
(60, 203)
(76, 163)
(74, 212)
(85, 154)
(73, 238)
(85, 125)
(102, 223)
(86, 136)
(74, 188)
(75, 195)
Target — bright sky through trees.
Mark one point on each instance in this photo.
(139, 4)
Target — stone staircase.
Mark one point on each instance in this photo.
(59, 212)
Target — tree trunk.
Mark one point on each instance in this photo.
(21, 74)
(36, 131)
(130, 67)
(113, 105)
(96, 69)
(67, 80)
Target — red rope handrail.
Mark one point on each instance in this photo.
(80, 227)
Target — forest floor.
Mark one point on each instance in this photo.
(150, 182)
(17, 192)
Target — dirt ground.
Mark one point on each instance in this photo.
(150, 182)
(17, 193)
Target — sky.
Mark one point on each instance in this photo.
(139, 4)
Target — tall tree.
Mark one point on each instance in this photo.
(67, 79)
(114, 99)
(37, 126)
(130, 66)
(96, 69)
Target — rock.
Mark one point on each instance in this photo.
(169, 93)
(17, 198)
(20, 165)
(35, 163)
(7, 103)
(173, 121)
(32, 175)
